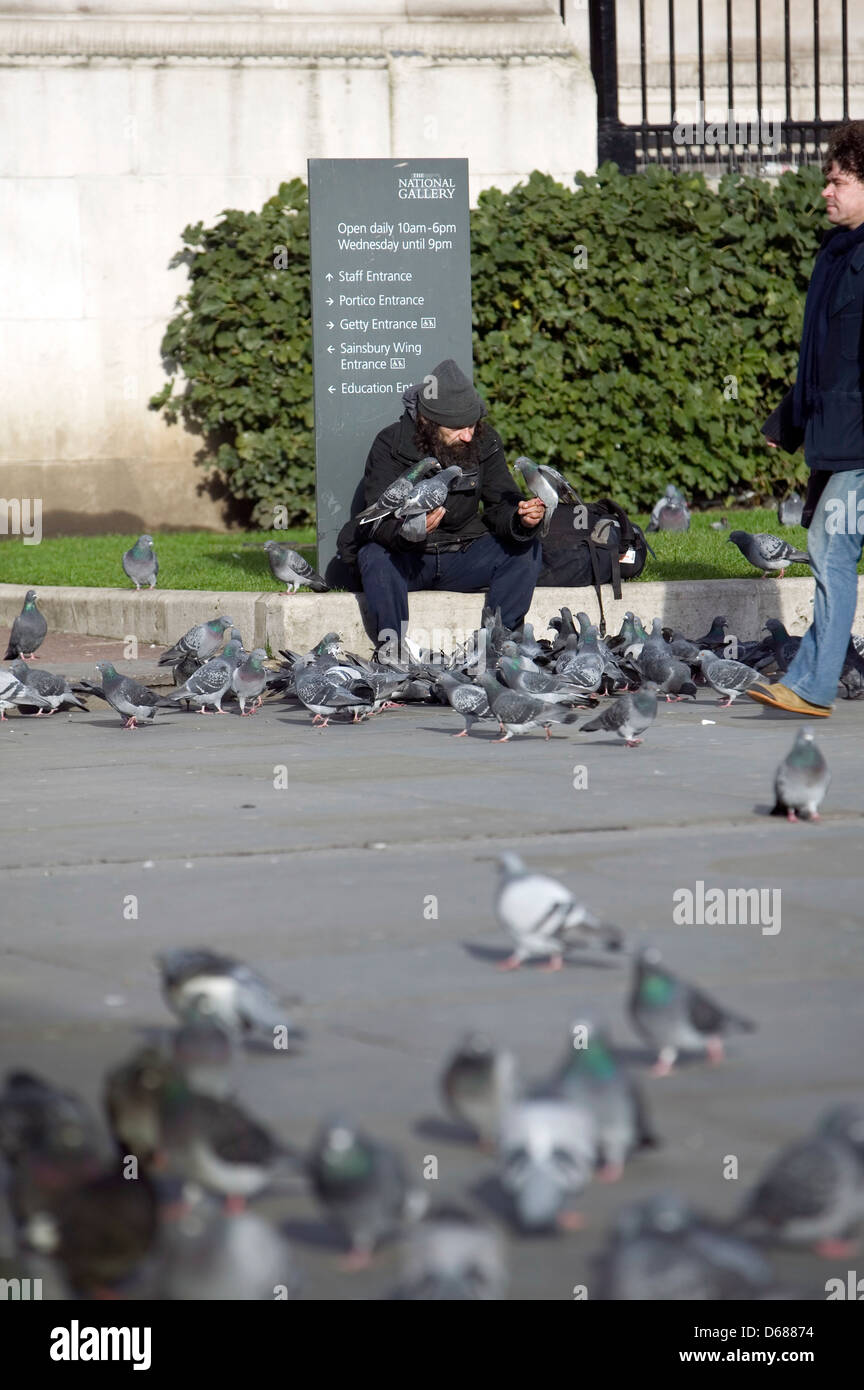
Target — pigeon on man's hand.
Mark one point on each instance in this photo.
(28, 630)
(290, 567)
(428, 494)
(548, 484)
(397, 491)
(768, 553)
(801, 780)
(674, 1016)
(140, 563)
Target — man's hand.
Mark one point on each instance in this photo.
(772, 443)
(434, 519)
(531, 511)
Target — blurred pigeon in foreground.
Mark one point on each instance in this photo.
(451, 1256)
(768, 553)
(590, 1073)
(674, 1016)
(670, 512)
(477, 1084)
(133, 702)
(812, 1193)
(205, 1253)
(542, 916)
(201, 642)
(547, 484)
(662, 1251)
(28, 630)
(140, 563)
(791, 510)
(398, 490)
(292, 569)
(630, 715)
(802, 780)
(547, 1154)
(363, 1186)
(13, 692)
(50, 692)
(231, 993)
(729, 678)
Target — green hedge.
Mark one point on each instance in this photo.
(635, 329)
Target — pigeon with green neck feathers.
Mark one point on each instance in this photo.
(140, 563)
(674, 1016)
(591, 1073)
(293, 571)
(28, 630)
(201, 642)
(397, 491)
(249, 681)
(517, 713)
(363, 1187)
(135, 703)
(801, 781)
(209, 683)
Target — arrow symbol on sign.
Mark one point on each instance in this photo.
(331, 349)
(331, 324)
(328, 276)
(331, 389)
(328, 301)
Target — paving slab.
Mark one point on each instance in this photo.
(327, 885)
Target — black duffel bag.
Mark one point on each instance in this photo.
(592, 543)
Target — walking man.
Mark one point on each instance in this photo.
(824, 410)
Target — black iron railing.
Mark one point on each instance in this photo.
(787, 140)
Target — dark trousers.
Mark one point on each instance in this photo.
(508, 571)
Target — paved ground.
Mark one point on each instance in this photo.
(322, 886)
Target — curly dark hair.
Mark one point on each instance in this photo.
(846, 146)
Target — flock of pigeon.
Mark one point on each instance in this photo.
(159, 1209)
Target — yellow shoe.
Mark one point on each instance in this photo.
(781, 697)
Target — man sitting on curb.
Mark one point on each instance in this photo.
(455, 547)
(825, 411)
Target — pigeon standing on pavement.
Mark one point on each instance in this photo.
(451, 1256)
(200, 642)
(467, 699)
(51, 692)
(518, 713)
(812, 1193)
(14, 693)
(591, 1073)
(363, 1186)
(768, 553)
(547, 484)
(547, 1155)
(140, 563)
(135, 703)
(629, 716)
(290, 567)
(249, 681)
(226, 990)
(478, 1083)
(542, 917)
(729, 678)
(28, 630)
(674, 1016)
(791, 510)
(207, 685)
(801, 781)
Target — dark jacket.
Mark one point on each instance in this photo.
(833, 437)
(394, 450)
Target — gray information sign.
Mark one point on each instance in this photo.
(391, 298)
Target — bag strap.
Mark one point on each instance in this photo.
(595, 569)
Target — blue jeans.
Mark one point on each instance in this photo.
(834, 546)
(509, 571)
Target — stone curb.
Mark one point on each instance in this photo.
(274, 620)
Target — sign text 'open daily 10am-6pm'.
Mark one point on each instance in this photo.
(391, 297)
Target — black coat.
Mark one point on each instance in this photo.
(833, 438)
(394, 450)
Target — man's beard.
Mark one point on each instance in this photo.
(429, 441)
